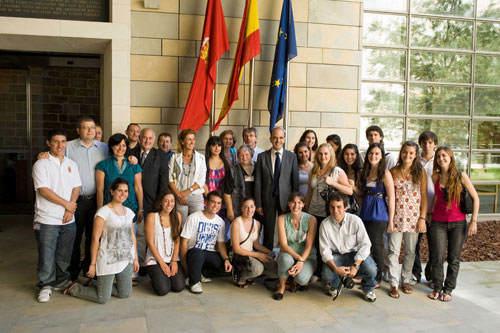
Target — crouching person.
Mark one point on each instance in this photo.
(113, 252)
(201, 238)
(345, 250)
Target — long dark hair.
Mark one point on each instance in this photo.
(212, 141)
(356, 166)
(367, 166)
(454, 185)
(303, 138)
(335, 138)
(174, 218)
(416, 167)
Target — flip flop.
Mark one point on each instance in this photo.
(135, 282)
(434, 295)
(406, 288)
(393, 292)
(445, 297)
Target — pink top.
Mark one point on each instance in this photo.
(441, 212)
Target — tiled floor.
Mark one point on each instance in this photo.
(223, 307)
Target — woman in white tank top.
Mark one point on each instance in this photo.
(253, 258)
(162, 231)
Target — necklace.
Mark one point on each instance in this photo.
(165, 239)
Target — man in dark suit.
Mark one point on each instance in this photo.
(276, 176)
(154, 164)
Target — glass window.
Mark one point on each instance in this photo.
(442, 100)
(487, 69)
(452, 133)
(382, 98)
(485, 135)
(488, 196)
(396, 5)
(463, 8)
(392, 127)
(488, 9)
(450, 34)
(384, 64)
(485, 166)
(440, 67)
(486, 101)
(488, 36)
(384, 29)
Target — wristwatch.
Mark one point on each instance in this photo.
(355, 266)
(191, 189)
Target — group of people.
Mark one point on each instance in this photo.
(323, 212)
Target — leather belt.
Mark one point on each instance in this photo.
(87, 196)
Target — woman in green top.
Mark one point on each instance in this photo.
(296, 232)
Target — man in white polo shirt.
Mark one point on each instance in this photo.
(57, 185)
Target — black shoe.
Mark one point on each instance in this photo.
(278, 296)
(302, 288)
(142, 271)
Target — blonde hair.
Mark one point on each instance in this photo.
(317, 165)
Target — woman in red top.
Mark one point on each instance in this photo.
(449, 224)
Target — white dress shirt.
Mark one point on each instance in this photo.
(273, 156)
(350, 236)
(428, 166)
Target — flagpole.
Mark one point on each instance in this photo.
(285, 117)
(250, 97)
(212, 112)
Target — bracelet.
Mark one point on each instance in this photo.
(92, 265)
(227, 259)
(300, 260)
(141, 210)
(422, 218)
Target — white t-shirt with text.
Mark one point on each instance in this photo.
(203, 233)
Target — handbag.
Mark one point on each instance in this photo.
(352, 203)
(466, 203)
(241, 263)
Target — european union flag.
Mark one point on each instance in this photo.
(286, 50)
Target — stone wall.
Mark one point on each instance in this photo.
(324, 77)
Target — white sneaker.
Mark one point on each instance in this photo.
(44, 295)
(196, 288)
(205, 279)
(370, 296)
(413, 280)
(333, 292)
(63, 285)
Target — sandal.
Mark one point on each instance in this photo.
(135, 282)
(393, 292)
(445, 297)
(406, 288)
(242, 285)
(434, 295)
(67, 290)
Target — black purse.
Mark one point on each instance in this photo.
(466, 203)
(352, 204)
(241, 263)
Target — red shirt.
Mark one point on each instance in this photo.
(441, 212)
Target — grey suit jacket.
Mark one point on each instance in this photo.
(154, 177)
(264, 178)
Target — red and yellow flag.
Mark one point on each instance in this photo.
(214, 44)
(248, 48)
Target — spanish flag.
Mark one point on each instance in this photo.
(214, 44)
(248, 48)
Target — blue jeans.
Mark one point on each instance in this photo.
(100, 291)
(367, 271)
(286, 261)
(447, 241)
(55, 245)
(210, 261)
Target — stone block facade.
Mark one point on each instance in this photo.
(324, 77)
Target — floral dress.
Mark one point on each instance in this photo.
(408, 200)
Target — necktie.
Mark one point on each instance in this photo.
(143, 157)
(276, 180)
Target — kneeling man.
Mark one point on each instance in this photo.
(201, 238)
(345, 249)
